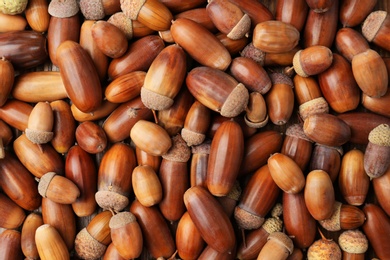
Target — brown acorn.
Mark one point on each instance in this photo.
(12, 215)
(196, 124)
(101, 112)
(319, 194)
(30, 225)
(12, 22)
(114, 177)
(6, 136)
(146, 185)
(377, 153)
(210, 253)
(112, 253)
(353, 13)
(124, 227)
(177, 6)
(257, 11)
(354, 244)
(200, 44)
(278, 246)
(312, 60)
(10, 243)
(143, 158)
(350, 42)
(320, 6)
(39, 86)
(7, 73)
(58, 188)
(91, 137)
(256, 115)
(292, 12)
(198, 164)
(50, 244)
(125, 87)
(377, 105)
(327, 158)
(16, 113)
(375, 28)
(344, 216)
(40, 124)
(228, 97)
(37, 15)
(381, 190)
(238, 23)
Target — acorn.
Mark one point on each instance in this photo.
(62, 218)
(380, 186)
(40, 124)
(349, 42)
(198, 165)
(377, 153)
(256, 112)
(10, 244)
(114, 184)
(354, 244)
(202, 45)
(16, 113)
(50, 244)
(92, 10)
(278, 246)
(238, 23)
(112, 253)
(324, 249)
(37, 15)
(257, 11)
(143, 158)
(125, 87)
(177, 6)
(312, 60)
(295, 211)
(286, 173)
(293, 13)
(9, 22)
(91, 137)
(353, 180)
(7, 73)
(344, 216)
(210, 253)
(123, 228)
(150, 137)
(327, 158)
(30, 225)
(353, 13)
(250, 213)
(375, 28)
(377, 105)
(91, 242)
(327, 129)
(196, 124)
(320, 6)
(228, 97)
(152, 13)
(146, 185)
(189, 242)
(6, 136)
(12, 215)
(58, 188)
(234, 47)
(102, 111)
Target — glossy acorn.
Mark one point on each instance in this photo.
(233, 46)
(125, 87)
(349, 42)
(30, 225)
(40, 124)
(292, 12)
(143, 158)
(12, 215)
(381, 190)
(146, 185)
(58, 188)
(327, 158)
(312, 60)
(198, 164)
(256, 115)
(91, 137)
(353, 12)
(196, 124)
(50, 244)
(7, 73)
(16, 113)
(37, 15)
(377, 105)
(10, 243)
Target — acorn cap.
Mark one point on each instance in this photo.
(256, 124)
(191, 137)
(250, 51)
(236, 102)
(333, 223)
(44, 182)
(353, 241)
(297, 64)
(247, 220)
(92, 9)
(179, 151)
(283, 240)
(124, 23)
(235, 192)
(121, 219)
(63, 8)
(315, 106)
(241, 28)
(155, 101)
(372, 24)
(277, 210)
(13, 7)
(203, 148)
(380, 135)
(324, 249)
(88, 247)
(296, 130)
(131, 8)
(272, 225)
(281, 78)
(38, 137)
(111, 200)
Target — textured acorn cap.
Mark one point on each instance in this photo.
(277, 210)
(131, 8)
(250, 51)
(353, 241)
(38, 137)
(111, 200)
(380, 135)
(121, 219)
(88, 247)
(13, 7)
(44, 182)
(63, 8)
(236, 102)
(235, 192)
(315, 106)
(92, 9)
(247, 220)
(155, 101)
(241, 28)
(281, 78)
(283, 240)
(272, 225)
(179, 151)
(296, 130)
(256, 124)
(124, 23)
(297, 64)
(372, 24)
(191, 137)
(324, 249)
(203, 148)
(333, 223)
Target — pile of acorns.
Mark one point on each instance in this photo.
(220, 129)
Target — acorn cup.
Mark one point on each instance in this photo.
(198, 165)
(124, 228)
(123, 23)
(12, 215)
(58, 188)
(238, 24)
(114, 177)
(37, 15)
(50, 244)
(7, 73)
(196, 124)
(40, 124)
(375, 28)
(146, 185)
(30, 225)
(354, 244)
(312, 60)
(278, 246)
(227, 97)
(92, 9)
(10, 244)
(324, 248)
(91, 137)
(292, 12)
(152, 13)
(377, 153)
(91, 242)
(353, 13)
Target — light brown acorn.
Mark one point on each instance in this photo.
(238, 24)
(152, 13)
(377, 105)
(125, 87)
(30, 225)
(16, 113)
(146, 185)
(196, 124)
(354, 244)
(143, 158)
(50, 244)
(292, 12)
(278, 246)
(312, 60)
(40, 124)
(102, 111)
(58, 188)
(112, 253)
(234, 47)
(7, 73)
(10, 244)
(377, 152)
(91, 137)
(9, 22)
(12, 215)
(37, 15)
(256, 115)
